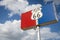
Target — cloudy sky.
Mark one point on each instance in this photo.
(10, 11)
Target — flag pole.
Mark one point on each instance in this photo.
(38, 33)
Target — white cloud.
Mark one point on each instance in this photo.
(12, 31)
(17, 6)
(57, 2)
(47, 34)
(31, 7)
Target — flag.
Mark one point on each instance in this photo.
(39, 17)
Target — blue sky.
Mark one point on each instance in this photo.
(10, 11)
(4, 15)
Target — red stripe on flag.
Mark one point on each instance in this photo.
(26, 21)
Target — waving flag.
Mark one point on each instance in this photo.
(39, 17)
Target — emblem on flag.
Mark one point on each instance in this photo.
(36, 14)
